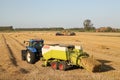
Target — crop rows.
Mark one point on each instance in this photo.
(11, 56)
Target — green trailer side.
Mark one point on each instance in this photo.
(55, 54)
(72, 56)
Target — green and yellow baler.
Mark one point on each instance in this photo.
(63, 57)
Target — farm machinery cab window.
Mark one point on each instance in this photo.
(35, 43)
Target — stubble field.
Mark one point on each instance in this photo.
(105, 47)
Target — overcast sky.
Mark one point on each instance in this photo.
(59, 13)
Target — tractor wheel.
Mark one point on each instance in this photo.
(54, 65)
(30, 57)
(62, 66)
(23, 55)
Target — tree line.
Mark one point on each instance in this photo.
(88, 27)
(6, 28)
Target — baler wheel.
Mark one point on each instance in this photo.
(54, 65)
(62, 66)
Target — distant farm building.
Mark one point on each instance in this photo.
(106, 29)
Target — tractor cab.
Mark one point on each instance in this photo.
(36, 43)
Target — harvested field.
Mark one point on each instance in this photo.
(105, 47)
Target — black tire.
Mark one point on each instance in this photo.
(30, 57)
(72, 34)
(58, 34)
(23, 55)
(54, 65)
(62, 66)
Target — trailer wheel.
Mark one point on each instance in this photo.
(62, 66)
(30, 57)
(54, 65)
(23, 55)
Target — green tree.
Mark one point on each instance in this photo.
(88, 26)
